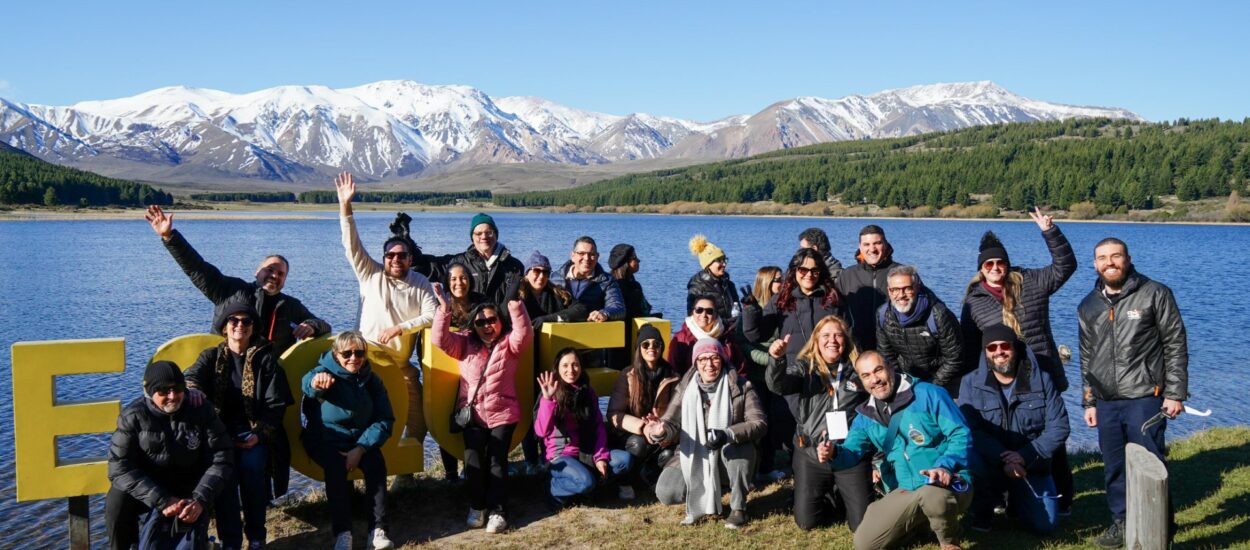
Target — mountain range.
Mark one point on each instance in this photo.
(394, 130)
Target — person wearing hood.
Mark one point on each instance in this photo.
(640, 397)
(349, 417)
(247, 388)
(864, 284)
(545, 302)
(703, 322)
(712, 279)
(1018, 420)
(623, 262)
(1001, 293)
(816, 239)
(284, 319)
(917, 333)
(168, 461)
(715, 420)
(588, 283)
(924, 442)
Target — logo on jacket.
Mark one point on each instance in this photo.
(193, 440)
(1134, 314)
(915, 435)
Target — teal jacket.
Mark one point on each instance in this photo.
(932, 434)
(354, 411)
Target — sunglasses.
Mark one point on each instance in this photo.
(703, 310)
(541, 271)
(350, 353)
(396, 255)
(776, 281)
(485, 322)
(245, 321)
(991, 264)
(994, 347)
(170, 389)
(804, 271)
(648, 344)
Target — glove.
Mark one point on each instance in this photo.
(717, 438)
(745, 296)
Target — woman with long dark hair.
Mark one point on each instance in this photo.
(642, 393)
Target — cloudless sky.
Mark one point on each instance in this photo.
(689, 59)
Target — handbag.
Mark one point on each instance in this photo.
(462, 416)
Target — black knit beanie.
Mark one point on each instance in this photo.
(991, 249)
(648, 332)
(161, 374)
(998, 333)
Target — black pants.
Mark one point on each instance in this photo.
(781, 428)
(480, 446)
(1061, 472)
(339, 489)
(814, 484)
(121, 519)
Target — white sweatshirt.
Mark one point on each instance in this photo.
(387, 301)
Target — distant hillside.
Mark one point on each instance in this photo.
(1111, 163)
(25, 179)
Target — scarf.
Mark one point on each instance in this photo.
(698, 333)
(699, 465)
(494, 257)
(221, 385)
(918, 310)
(996, 292)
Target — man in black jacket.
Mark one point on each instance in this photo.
(284, 319)
(1135, 364)
(863, 284)
(496, 272)
(816, 239)
(167, 457)
(917, 333)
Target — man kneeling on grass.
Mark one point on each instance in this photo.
(926, 443)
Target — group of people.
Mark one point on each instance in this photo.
(896, 415)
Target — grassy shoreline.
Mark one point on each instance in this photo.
(1210, 487)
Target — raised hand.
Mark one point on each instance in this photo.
(1044, 221)
(162, 224)
(778, 348)
(547, 383)
(745, 296)
(322, 381)
(440, 295)
(345, 186)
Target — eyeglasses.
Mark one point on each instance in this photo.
(704, 310)
(709, 360)
(722, 259)
(901, 290)
(350, 353)
(585, 253)
(994, 347)
(169, 389)
(487, 233)
(245, 321)
(396, 255)
(991, 264)
(648, 344)
(485, 322)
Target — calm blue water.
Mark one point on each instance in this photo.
(94, 279)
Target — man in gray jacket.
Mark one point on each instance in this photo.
(1135, 364)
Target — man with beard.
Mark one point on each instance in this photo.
(917, 333)
(284, 320)
(1018, 420)
(1134, 363)
(864, 284)
(168, 461)
(925, 445)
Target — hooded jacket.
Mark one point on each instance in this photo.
(1134, 345)
(1033, 422)
(494, 368)
(155, 456)
(703, 283)
(354, 411)
(601, 292)
(914, 348)
(814, 397)
(864, 288)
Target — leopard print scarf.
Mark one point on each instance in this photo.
(221, 379)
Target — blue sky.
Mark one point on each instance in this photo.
(696, 60)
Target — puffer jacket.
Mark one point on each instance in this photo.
(681, 347)
(355, 411)
(222, 290)
(565, 437)
(1134, 346)
(932, 434)
(636, 304)
(493, 369)
(758, 325)
(601, 294)
(747, 421)
(494, 282)
(814, 398)
(913, 349)
(864, 288)
(154, 456)
(620, 417)
(1033, 423)
(703, 283)
(547, 307)
(981, 309)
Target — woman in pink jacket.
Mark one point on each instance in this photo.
(571, 425)
(488, 353)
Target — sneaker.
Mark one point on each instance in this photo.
(736, 520)
(477, 518)
(626, 492)
(403, 482)
(1113, 537)
(981, 524)
(689, 520)
(496, 524)
(380, 540)
(343, 541)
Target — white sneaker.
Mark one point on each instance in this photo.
(477, 518)
(626, 492)
(496, 524)
(343, 541)
(380, 541)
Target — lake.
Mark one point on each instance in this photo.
(97, 279)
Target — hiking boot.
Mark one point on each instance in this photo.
(496, 524)
(380, 540)
(343, 541)
(1113, 537)
(626, 492)
(736, 520)
(477, 518)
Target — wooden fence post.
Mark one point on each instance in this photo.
(1146, 499)
(79, 523)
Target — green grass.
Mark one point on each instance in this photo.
(1210, 483)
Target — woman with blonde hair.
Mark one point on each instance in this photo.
(827, 391)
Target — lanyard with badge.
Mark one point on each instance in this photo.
(835, 421)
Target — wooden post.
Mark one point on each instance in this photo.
(1146, 499)
(79, 523)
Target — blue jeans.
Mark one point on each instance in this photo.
(248, 489)
(570, 477)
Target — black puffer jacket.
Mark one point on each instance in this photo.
(494, 282)
(981, 309)
(759, 325)
(703, 283)
(1133, 343)
(864, 287)
(547, 307)
(222, 290)
(155, 456)
(914, 349)
(814, 400)
(636, 304)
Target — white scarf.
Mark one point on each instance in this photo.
(698, 333)
(700, 466)
(494, 256)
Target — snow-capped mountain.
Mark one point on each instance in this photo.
(396, 129)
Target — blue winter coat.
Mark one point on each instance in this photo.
(354, 411)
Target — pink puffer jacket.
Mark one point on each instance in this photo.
(497, 400)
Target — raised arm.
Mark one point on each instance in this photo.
(205, 276)
(1062, 259)
(362, 265)
(522, 332)
(778, 376)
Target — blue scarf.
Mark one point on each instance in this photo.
(918, 311)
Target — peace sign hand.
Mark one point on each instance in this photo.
(1044, 221)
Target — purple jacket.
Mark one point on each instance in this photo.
(567, 441)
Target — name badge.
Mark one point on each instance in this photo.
(835, 423)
